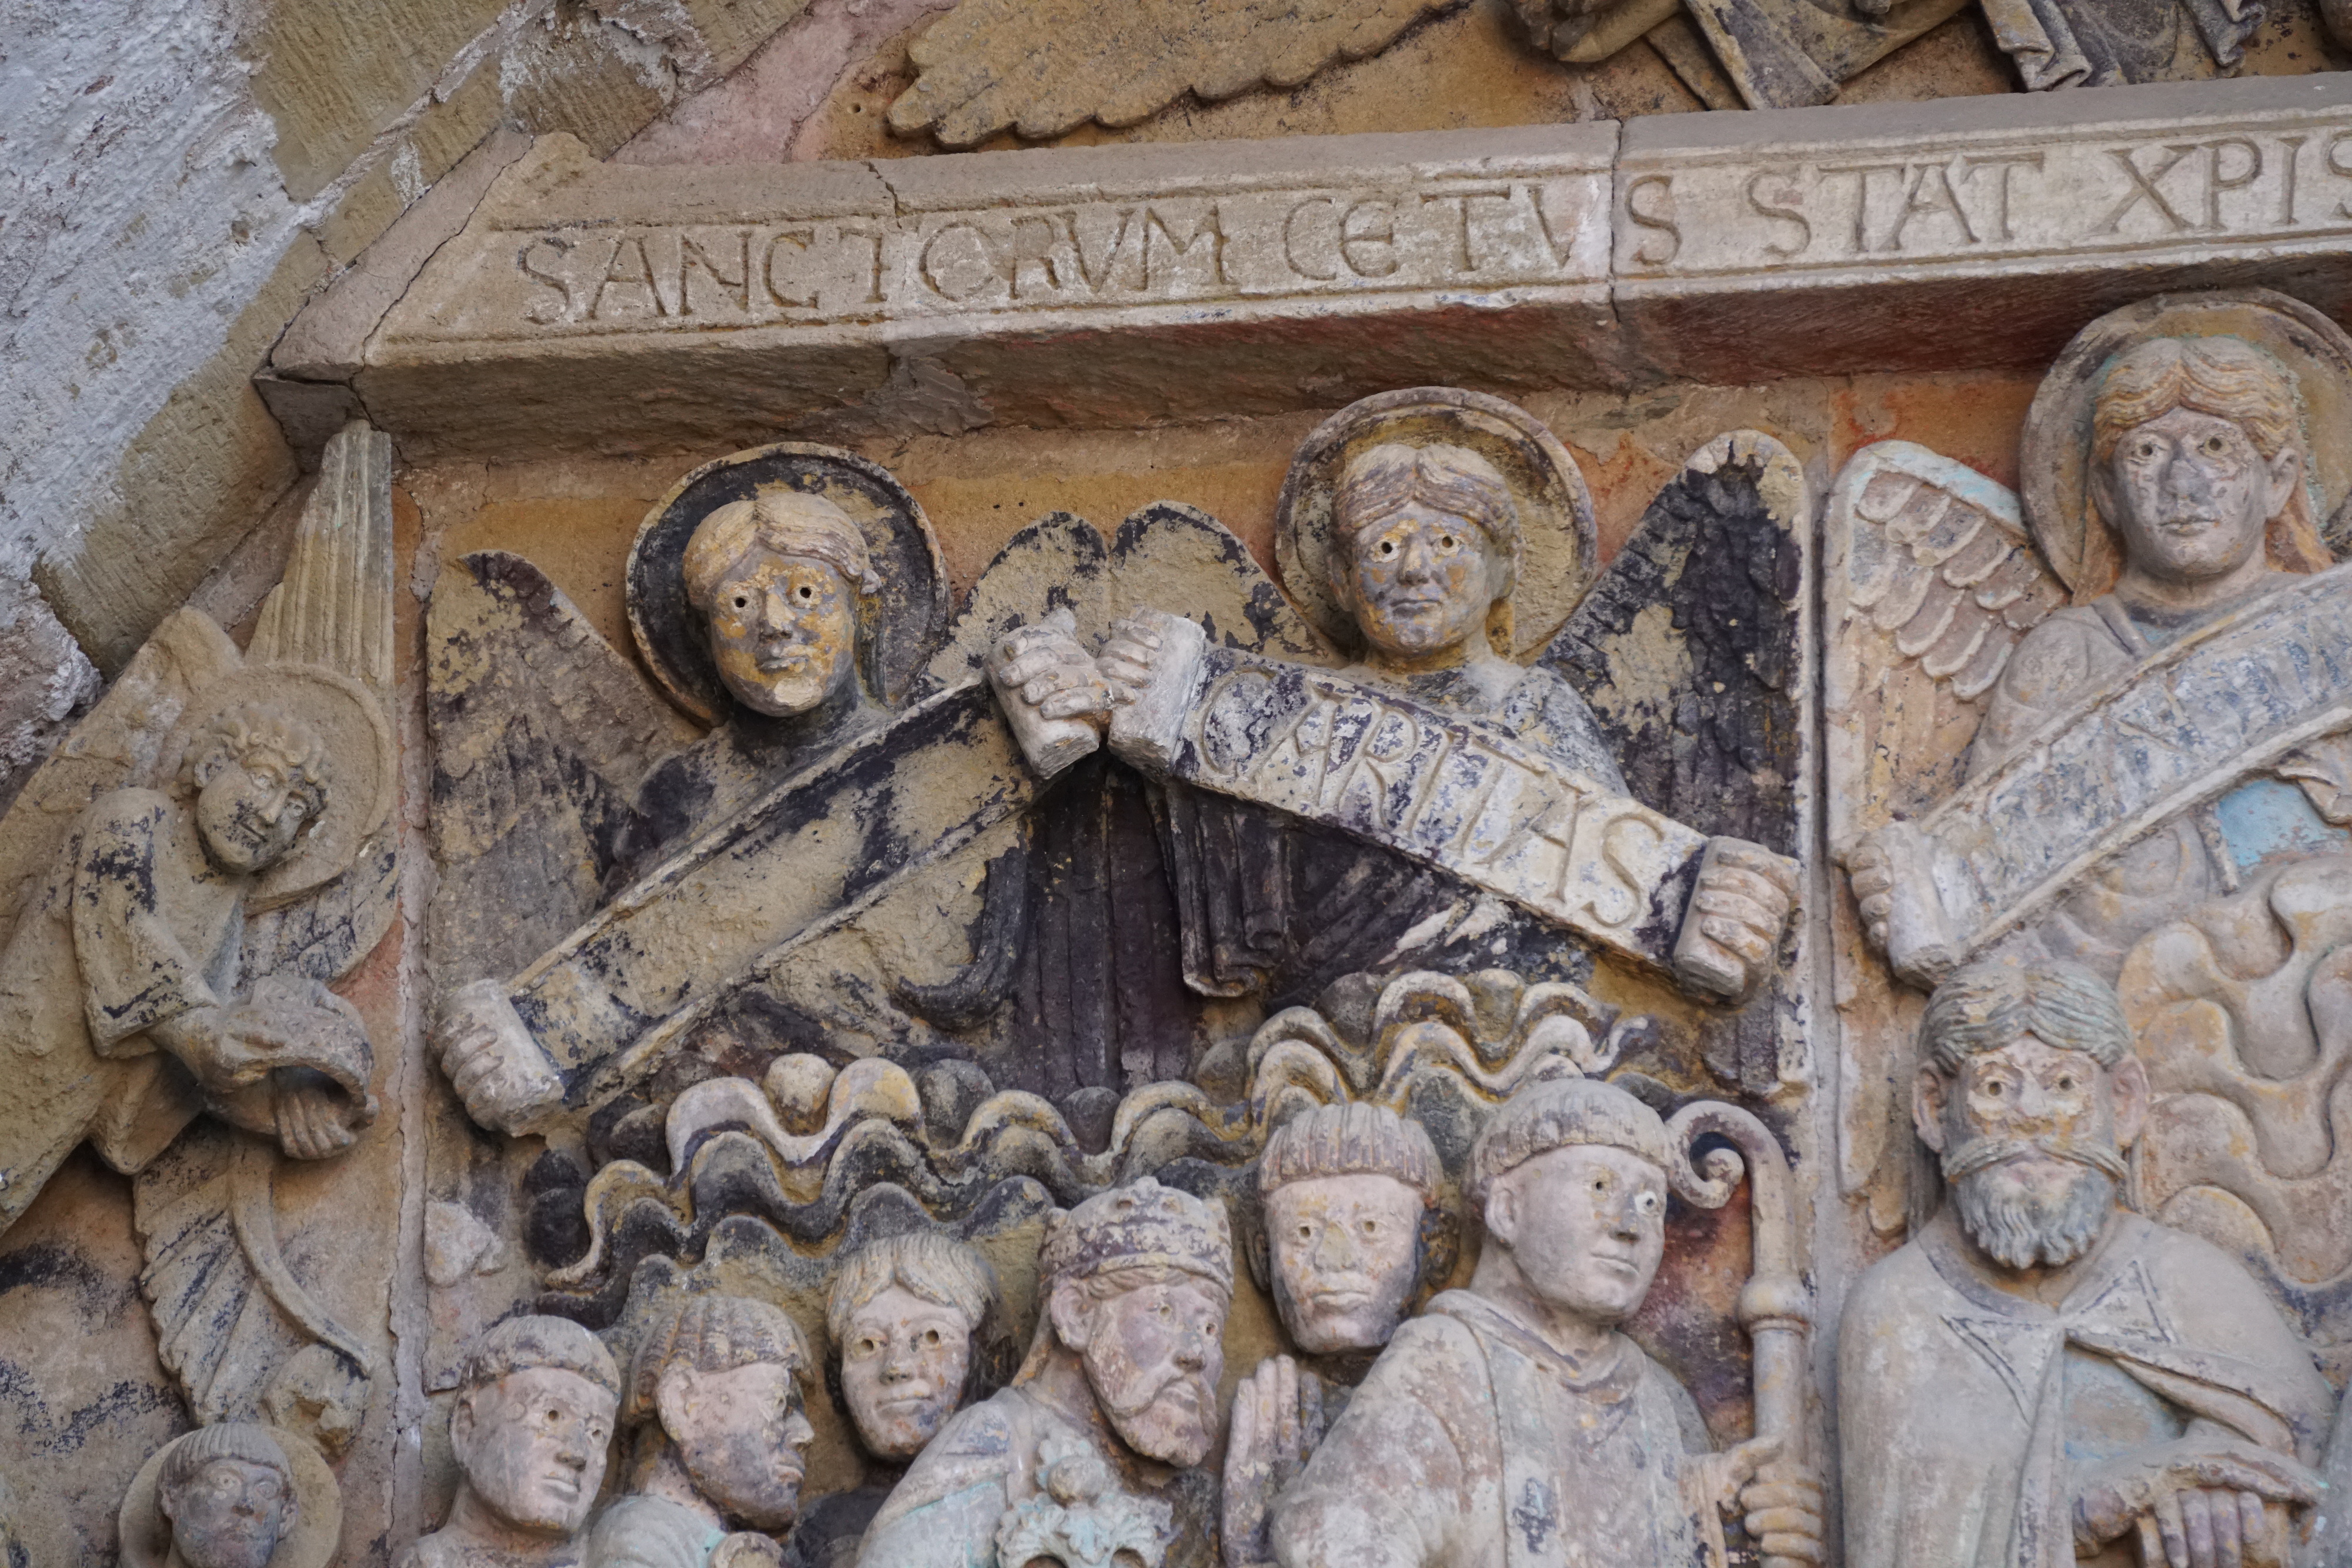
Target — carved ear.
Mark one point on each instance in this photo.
(1503, 1212)
(461, 1427)
(674, 1396)
(2128, 1086)
(1930, 1092)
(1068, 1306)
(2285, 467)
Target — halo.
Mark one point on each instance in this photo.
(1562, 549)
(905, 622)
(146, 1534)
(361, 757)
(2056, 450)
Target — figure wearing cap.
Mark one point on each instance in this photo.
(1514, 1424)
(530, 1427)
(118, 989)
(715, 1395)
(1119, 1389)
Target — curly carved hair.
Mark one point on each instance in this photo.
(2225, 378)
(249, 730)
(1991, 1004)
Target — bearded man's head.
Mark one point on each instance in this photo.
(2029, 1093)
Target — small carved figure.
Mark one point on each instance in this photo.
(228, 1492)
(1514, 1423)
(1355, 1229)
(532, 1420)
(229, 1495)
(2042, 1376)
(916, 1323)
(1135, 1283)
(2195, 477)
(118, 990)
(715, 1393)
(1355, 1224)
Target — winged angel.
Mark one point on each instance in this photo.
(626, 909)
(207, 850)
(2113, 724)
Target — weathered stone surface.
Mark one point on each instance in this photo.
(1011, 278)
(1965, 232)
(992, 267)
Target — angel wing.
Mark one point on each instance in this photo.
(333, 609)
(1721, 550)
(542, 733)
(1046, 67)
(1930, 582)
(1710, 589)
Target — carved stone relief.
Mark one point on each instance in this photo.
(1352, 1030)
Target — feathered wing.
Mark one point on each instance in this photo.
(1046, 67)
(1930, 582)
(1711, 587)
(333, 609)
(542, 733)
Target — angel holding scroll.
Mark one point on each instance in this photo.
(1406, 525)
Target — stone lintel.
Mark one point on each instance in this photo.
(1968, 233)
(620, 307)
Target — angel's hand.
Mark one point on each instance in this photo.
(1128, 657)
(310, 1118)
(1731, 931)
(1043, 667)
(498, 1071)
(228, 1049)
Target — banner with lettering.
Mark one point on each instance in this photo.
(2224, 704)
(1465, 796)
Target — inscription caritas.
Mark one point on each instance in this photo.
(1458, 794)
(1883, 202)
(1165, 249)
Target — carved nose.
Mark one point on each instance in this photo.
(1334, 1247)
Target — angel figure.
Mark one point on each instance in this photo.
(208, 850)
(786, 597)
(2156, 785)
(1415, 525)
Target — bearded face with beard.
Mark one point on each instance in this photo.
(1152, 1341)
(2021, 1224)
(2030, 1135)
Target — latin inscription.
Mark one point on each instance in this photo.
(2079, 192)
(1471, 235)
(1455, 793)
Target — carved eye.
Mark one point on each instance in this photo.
(743, 601)
(554, 1416)
(1164, 1310)
(2216, 445)
(868, 1346)
(930, 1336)
(1387, 549)
(2066, 1083)
(1371, 1227)
(807, 593)
(1995, 1089)
(1447, 541)
(1305, 1232)
(1648, 1203)
(1600, 1183)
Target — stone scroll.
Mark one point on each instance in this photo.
(1462, 795)
(2223, 704)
